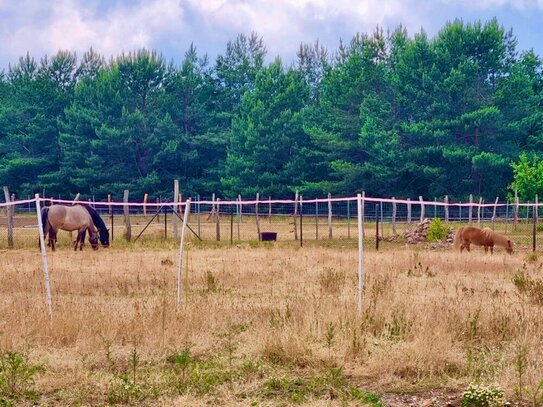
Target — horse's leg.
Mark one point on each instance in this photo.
(492, 249)
(52, 238)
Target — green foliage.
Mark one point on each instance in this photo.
(437, 230)
(527, 177)
(483, 396)
(17, 377)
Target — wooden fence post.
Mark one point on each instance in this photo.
(145, 198)
(421, 208)
(128, 229)
(329, 215)
(9, 212)
(218, 219)
(409, 210)
(470, 209)
(393, 215)
(175, 220)
(239, 215)
(479, 212)
(256, 215)
(269, 209)
(316, 220)
(494, 212)
(295, 216)
(534, 231)
(446, 207)
(362, 213)
(515, 219)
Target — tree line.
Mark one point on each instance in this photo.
(385, 112)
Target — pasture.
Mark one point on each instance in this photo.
(269, 324)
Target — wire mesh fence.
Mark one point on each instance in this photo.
(319, 221)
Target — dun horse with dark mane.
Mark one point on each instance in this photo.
(70, 218)
(486, 237)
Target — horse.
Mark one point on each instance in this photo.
(103, 231)
(68, 218)
(486, 237)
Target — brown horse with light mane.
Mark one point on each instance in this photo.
(68, 218)
(486, 237)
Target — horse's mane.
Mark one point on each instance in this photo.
(498, 239)
(96, 218)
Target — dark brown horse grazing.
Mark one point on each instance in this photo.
(68, 218)
(486, 237)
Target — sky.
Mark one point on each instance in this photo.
(110, 27)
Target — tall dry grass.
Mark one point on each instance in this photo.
(430, 320)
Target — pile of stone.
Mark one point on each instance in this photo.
(420, 233)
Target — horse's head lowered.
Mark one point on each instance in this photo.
(104, 237)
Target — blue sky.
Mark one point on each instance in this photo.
(42, 27)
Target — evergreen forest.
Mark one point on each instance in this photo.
(387, 112)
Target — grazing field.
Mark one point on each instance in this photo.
(270, 325)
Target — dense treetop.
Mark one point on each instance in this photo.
(387, 113)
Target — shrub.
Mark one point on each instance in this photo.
(437, 230)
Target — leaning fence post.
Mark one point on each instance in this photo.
(9, 212)
(329, 215)
(181, 249)
(128, 229)
(494, 212)
(393, 215)
(421, 208)
(44, 260)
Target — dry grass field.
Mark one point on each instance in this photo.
(270, 325)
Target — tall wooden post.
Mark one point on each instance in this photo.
(295, 218)
(494, 213)
(329, 215)
(175, 219)
(515, 220)
(217, 220)
(316, 220)
(9, 211)
(534, 229)
(256, 215)
(393, 215)
(479, 212)
(145, 198)
(421, 208)
(128, 229)
(446, 201)
(408, 210)
(470, 209)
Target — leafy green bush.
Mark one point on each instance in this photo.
(437, 230)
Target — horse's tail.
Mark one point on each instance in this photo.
(45, 220)
(458, 238)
